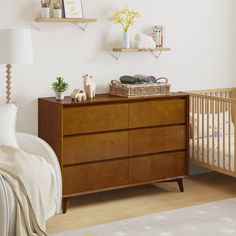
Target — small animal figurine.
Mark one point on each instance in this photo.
(89, 86)
(78, 95)
(144, 41)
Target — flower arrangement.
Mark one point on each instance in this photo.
(56, 5)
(125, 17)
(45, 3)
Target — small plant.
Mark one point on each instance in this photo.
(57, 5)
(45, 3)
(125, 17)
(60, 85)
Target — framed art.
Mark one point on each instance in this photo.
(73, 9)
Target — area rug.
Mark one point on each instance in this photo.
(212, 219)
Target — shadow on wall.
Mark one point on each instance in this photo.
(27, 123)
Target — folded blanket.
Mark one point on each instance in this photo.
(34, 185)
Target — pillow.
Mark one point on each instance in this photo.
(8, 125)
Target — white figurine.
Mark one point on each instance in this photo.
(144, 41)
(78, 95)
(89, 86)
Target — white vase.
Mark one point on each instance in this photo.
(57, 13)
(60, 96)
(126, 40)
(45, 12)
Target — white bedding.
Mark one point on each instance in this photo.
(217, 156)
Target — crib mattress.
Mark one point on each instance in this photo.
(218, 157)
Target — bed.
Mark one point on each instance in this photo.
(34, 145)
(213, 129)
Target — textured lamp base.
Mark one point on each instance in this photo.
(9, 83)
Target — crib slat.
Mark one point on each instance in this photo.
(213, 133)
(198, 116)
(208, 127)
(218, 133)
(229, 157)
(223, 110)
(193, 129)
(203, 133)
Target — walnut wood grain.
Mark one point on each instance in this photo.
(157, 167)
(90, 177)
(94, 147)
(113, 142)
(163, 112)
(50, 125)
(88, 119)
(154, 140)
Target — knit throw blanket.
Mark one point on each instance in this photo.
(34, 185)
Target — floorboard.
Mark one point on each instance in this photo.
(138, 201)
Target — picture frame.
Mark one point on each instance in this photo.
(73, 8)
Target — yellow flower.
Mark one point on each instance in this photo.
(125, 17)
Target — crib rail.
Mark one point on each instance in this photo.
(213, 129)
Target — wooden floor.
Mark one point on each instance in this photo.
(127, 203)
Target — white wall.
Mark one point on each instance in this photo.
(201, 34)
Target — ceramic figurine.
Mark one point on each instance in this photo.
(144, 41)
(89, 86)
(78, 95)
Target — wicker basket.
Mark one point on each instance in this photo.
(140, 90)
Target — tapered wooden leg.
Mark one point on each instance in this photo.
(65, 204)
(181, 185)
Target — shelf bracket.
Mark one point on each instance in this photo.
(116, 55)
(156, 54)
(35, 26)
(82, 26)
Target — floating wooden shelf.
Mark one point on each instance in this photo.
(155, 51)
(72, 20)
(140, 49)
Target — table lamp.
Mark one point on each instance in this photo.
(15, 48)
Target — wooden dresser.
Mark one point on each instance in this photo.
(113, 142)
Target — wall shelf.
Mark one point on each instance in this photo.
(140, 49)
(156, 51)
(83, 22)
(73, 20)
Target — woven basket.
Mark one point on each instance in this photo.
(140, 90)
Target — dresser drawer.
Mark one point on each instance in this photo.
(94, 147)
(160, 112)
(158, 167)
(88, 119)
(90, 177)
(154, 140)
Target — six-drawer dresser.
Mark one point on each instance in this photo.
(113, 142)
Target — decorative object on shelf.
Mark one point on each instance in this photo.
(45, 10)
(150, 79)
(158, 35)
(125, 18)
(73, 9)
(78, 95)
(57, 9)
(144, 41)
(140, 90)
(89, 86)
(60, 86)
(15, 48)
(127, 79)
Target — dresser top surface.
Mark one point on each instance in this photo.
(107, 98)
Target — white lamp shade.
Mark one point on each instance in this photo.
(16, 46)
